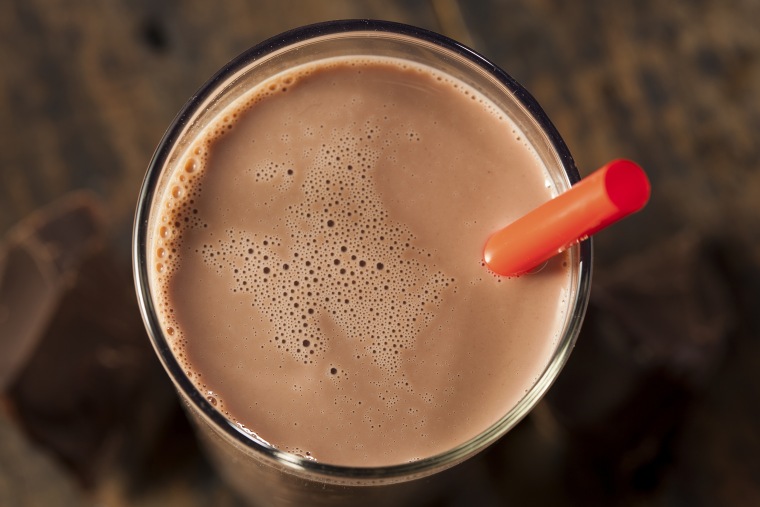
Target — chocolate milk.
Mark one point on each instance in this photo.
(317, 263)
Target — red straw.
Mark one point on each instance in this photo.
(616, 190)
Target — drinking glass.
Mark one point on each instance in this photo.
(261, 473)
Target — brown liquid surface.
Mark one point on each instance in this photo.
(317, 264)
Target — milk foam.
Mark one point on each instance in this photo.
(334, 280)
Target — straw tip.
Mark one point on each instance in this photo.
(618, 189)
(501, 259)
(627, 185)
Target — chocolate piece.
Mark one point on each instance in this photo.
(38, 260)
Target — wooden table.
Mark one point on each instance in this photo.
(660, 404)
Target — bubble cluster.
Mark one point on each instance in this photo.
(177, 214)
(343, 261)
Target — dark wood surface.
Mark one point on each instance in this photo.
(660, 403)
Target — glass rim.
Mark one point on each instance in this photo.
(295, 464)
